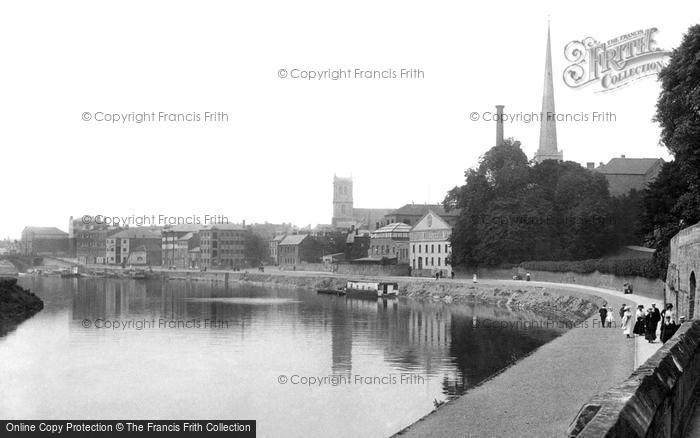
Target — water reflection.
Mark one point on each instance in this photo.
(231, 369)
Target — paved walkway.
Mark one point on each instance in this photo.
(542, 394)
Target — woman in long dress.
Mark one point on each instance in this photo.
(627, 321)
(639, 324)
(610, 319)
(668, 323)
(649, 326)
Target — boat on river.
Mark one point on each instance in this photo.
(372, 289)
(72, 273)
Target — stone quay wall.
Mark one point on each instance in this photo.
(657, 400)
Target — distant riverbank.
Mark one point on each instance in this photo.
(561, 303)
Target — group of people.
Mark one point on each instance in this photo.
(643, 322)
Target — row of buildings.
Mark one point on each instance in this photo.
(214, 246)
(413, 235)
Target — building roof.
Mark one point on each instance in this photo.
(185, 228)
(431, 221)
(224, 227)
(421, 210)
(279, 238)
(396, 227)
(137, 233)
(294, 239)
(187, 236)
(45, 230)
(629, 166)
(195, 249)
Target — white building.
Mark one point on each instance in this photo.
(429, 246)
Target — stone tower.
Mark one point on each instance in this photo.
(548, 149)
(342, 202)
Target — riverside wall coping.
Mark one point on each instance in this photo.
(656, 400)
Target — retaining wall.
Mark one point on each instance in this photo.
(648, 287)
(657, 400)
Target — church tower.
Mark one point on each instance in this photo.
(342, 202)
(548, 149)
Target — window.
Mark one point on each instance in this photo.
(438, 261)
(432, 248)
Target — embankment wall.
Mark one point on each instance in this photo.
(657, 400)
(648, 287)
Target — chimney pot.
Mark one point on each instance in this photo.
(622, 156)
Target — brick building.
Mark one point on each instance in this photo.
(274, 245)
(44, 241)
(183, 255)
(222, 246)
(170, 238)
(624, 174)
(144, 243)
(88, 241)
(298, 248)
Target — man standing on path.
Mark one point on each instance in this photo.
(603, 314)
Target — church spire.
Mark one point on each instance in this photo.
(548, 126)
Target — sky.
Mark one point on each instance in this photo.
(402, 140)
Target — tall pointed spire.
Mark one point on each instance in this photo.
(548, 125)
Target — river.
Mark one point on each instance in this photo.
(299, 363)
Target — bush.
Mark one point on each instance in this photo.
(620, 267)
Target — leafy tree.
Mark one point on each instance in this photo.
(255, 249)
(678, 107)
(672, 201)
(513, 211)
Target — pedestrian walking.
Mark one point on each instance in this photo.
(655, 319)
(639, 318)
(668, 323)
(649, 326)
(603, 315)
(610, 319)
(627, 321)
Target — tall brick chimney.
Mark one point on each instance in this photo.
(499, 125)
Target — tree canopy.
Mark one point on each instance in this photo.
(512, 211)
(672, 201)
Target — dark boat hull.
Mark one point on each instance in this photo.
(338, 292)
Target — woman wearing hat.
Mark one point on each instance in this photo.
(639, 325)
(627, 321)
(650, 326)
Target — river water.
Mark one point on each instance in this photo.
(299, 363)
